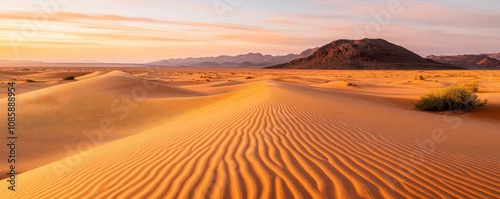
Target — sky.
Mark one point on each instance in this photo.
(140, 31)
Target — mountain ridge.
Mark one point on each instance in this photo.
(243, 60)
(494, 56)
(471, 61)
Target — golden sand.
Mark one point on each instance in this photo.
(250, 133)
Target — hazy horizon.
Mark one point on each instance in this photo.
(139, 32)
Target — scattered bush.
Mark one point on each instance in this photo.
(348, 83)
(421, 77)
(249, 77)
(30, 80)
(69, 78)
(472, 86)
(461, 98)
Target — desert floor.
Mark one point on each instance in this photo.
(248, 133)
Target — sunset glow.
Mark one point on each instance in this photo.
(241, 99)
(143, 31)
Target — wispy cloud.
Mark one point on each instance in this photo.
(192, 28)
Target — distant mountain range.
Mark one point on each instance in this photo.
(362, 54)
(246, 60)
(495, 56)
(481, 61)
(20, 62)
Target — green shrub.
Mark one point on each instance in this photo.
(461, 98)
(69, 78)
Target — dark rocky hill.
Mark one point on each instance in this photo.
(362, 54)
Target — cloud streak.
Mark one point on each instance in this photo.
(191, 28)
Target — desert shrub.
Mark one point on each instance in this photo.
(459, 98)
(348, 83)
(472, 86)
(421, 77)
(69, 78)
(30, 80)
(249, 77)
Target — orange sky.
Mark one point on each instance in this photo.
(136, 31)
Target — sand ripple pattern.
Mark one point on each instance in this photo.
(266, 144)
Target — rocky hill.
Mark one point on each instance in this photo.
(362, 54)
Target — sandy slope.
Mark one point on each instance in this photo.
(275, 139)
(43, 78)
(54, 120)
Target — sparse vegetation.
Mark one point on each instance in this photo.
(249, 77)
(30, 80)
(348, 83)
(460, 98)
(69, 78)
(472, 86)
(351, 84)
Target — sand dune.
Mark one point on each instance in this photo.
(90, 75)
(115, 83)
(44, 78)
(55, 75)
(8, 74)
(61, 116)
(274, 139)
